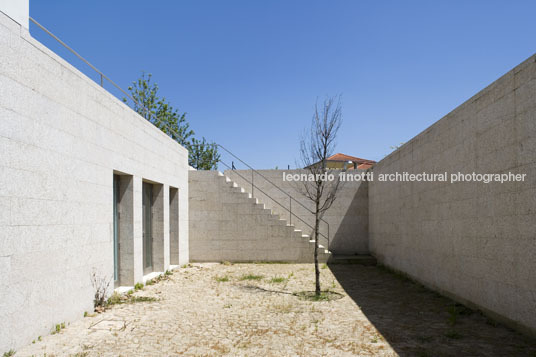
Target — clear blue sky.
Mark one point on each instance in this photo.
(248, 72)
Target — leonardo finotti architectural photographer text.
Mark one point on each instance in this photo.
(407, 177)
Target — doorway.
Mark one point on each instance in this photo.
(116, 227)
(147, 192)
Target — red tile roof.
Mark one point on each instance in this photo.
(346, 158)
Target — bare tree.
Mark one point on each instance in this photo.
(315, 147)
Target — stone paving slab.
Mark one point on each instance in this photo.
(211, 310)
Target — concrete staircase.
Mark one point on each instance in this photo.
(229, 224)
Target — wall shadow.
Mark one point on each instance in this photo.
(416, 321)
(351, 237)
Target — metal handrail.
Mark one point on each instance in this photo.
(273, 184)
(103, 76)
(282, 206)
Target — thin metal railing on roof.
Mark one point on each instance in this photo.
(102, 75)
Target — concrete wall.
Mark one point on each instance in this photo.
(347, 217)
(62, 137)
(228, 225)
(473, 241)
(17, 10)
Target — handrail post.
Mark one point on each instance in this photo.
(252, 183)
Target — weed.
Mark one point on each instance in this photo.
(149, 282)
(114, 299)
(117, 299)
(251, 277)
(278, 280)
(221, 279)
(324, 266)
(39, 338)
(168, 273)
(58, 328)
(226, 263)
(323, 296)
(141, 299)
(85, 313)
(138, 286)
(130, 292)
(100, 285)
(227, 306)
(9, 353)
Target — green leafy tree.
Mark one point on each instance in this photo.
(202, 155)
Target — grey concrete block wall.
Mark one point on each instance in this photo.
(347, 218)
(228, 225)
(473, 241)
(62, 137)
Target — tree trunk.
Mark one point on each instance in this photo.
(317, 271)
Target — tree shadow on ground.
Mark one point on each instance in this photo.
(416, 321)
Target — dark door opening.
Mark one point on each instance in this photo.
(147, 228)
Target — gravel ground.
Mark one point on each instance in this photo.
(251, 310)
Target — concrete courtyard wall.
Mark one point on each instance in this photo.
(347, 217)
(62, 137)
(473, 241)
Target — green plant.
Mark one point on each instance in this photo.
(168, 273)
(141, 299)
(130, 292)
(85, 313)
(39, 338)
(100, 285)
(58, 328)
(251, 277)
(325, 295)
(114, 299)
(227, 306)
(9, 353)
(278, 280)
(150, 282)
(324, 266)
(138, 286)
(221, 279)
(226, 263)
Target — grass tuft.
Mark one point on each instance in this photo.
(278, 280)
(323, 296)
(251, 277)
